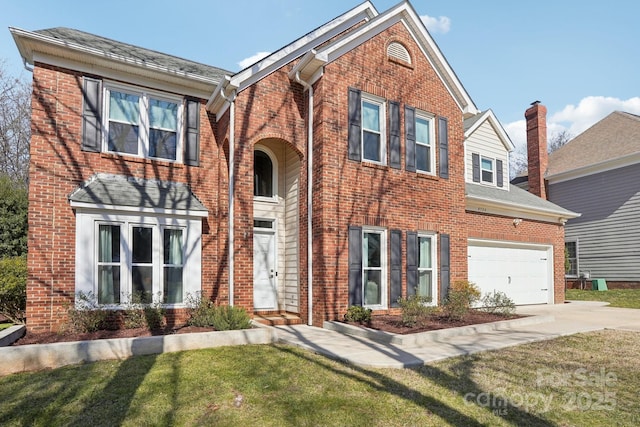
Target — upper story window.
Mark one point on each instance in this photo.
(142, 124)
(486, 170)
(424, 148)
(373, 138)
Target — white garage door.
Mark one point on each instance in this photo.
(523, 273)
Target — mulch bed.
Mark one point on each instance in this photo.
(53, 337)
(393, 323)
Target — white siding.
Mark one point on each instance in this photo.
(485, 141)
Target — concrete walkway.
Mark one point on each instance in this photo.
(558, 320)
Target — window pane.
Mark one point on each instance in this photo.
(373, 287)
(371, 116)
(372, 250)
(162, 144)
(487, 164)
(173, 247)
(173, 285)
(487, 176)
(142, 284)
(142, 245)
(124, 107)
(163, 115)
(123, 138)
(371, 146)
(109, 243)
(422, 131)
(423, 158)
(108, 284)
(262, 174)
(424, 248)
(424, 284)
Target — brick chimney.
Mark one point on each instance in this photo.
(537, 158)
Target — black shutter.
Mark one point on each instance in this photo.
(475, 160)
(192, 134)
(412, 262)
(396, 267)
(355, 118)
(355, 265)
(444, 266)
(443, 140)
(394, 134)
(91, 115)
(410, 138)
(499, 178)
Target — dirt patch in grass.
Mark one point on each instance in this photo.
(393, 323)
(53, 337)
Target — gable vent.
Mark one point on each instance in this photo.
(396, 51)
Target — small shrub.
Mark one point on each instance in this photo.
(139, 315)
(13, 288)
(462, 295)
(499, 303)
(87, 315)
(205, 313)
(415, 309)
(358, 314)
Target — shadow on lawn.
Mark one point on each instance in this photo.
(465, 386)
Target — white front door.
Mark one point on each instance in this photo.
(265, 295)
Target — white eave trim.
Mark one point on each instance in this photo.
(310, 67)
(595, 168)
(137, 209)
(497, 126)
(490, 206)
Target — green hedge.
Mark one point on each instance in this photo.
(13, 288)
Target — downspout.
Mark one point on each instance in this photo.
(232, 112)
(309, 198)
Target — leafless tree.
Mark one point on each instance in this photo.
(519, 155)
(15, 126)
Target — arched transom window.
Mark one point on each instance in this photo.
(263, 182)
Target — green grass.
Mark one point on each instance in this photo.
(625, 298)
(5, 325)
(284, 386)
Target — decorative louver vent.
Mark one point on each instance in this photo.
(396, 51)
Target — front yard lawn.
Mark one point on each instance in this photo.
(5, 325)
(574, 380)
(625, 298)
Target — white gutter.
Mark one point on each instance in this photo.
(309, 198)
(230, 99)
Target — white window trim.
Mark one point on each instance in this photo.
(434, 264)
(383, 268)
(432, 138)
(86, 280)
(493, 170)
(143, 138)
(381, 102)
(274, 178)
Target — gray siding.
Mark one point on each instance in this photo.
(608, 232)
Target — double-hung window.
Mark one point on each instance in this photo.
(426, 248)
(487, 170)
(424, 146)
(374, 268)
(571, 258)
(143, 124)
(373, 130)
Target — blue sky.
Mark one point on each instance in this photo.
(580, 58)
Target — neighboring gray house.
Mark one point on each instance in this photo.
(598, 174)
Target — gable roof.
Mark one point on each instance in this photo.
(116, 192)
(81, 48)
(349, 37)
(610, 143)
(474, 122)
(516, 203)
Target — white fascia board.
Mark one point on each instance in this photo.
(496, 125)
(309, 66)
(482, 205)
(138, 210)
(595, 168)
(404, 13)
(34, 47)
(280, 58)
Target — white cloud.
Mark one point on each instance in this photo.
(252, 59)
(442, 24)
(574, 119)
